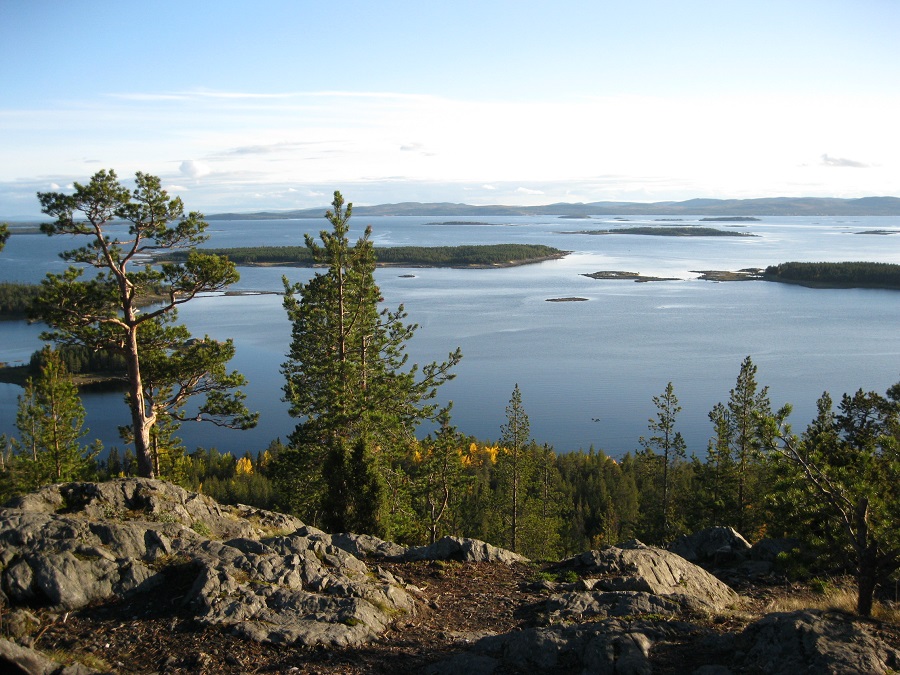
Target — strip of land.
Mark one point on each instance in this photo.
(681, 231)
(474, 257)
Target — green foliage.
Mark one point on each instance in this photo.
(50, 422)
(355, 498)
(164, 367)
(347, 378)
(664, 450)
(841, 483)
(4, 235)
(16, 299)
(843, 274)
(438, 479)
(733, 482)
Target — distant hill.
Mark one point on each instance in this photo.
(774, 206)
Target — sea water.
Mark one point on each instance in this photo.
(587, 370)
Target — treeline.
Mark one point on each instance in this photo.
(81, 360)
(841, 274)
(16, 298)
(433, 256)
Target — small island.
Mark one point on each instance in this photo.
(626, 276)
(666, 231)
(746, 274)
(572, 299)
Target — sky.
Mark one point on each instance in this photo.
(274, 104)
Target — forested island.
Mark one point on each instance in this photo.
(494, 255)
(682, 231)
(836, 274)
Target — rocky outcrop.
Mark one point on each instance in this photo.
(264, 575)
(811, 641)
(634, 567)
(609, 647)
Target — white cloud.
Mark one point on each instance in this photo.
(827, 160)
(529, 191)
(193, 169)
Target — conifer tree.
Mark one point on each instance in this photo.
(122, 227)
(50, 421)
(513, 466)
(733, 480)
(347, 377)
(670, 446)
(438, 474)
(842, 487)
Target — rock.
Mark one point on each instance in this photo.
(18, 660)
(580, 606)
(367, 546)
(464, 550)
(812, 641)
(266, 576)
(712, 546)
(636, 567)
(607, 647)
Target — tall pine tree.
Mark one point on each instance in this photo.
(347, 377)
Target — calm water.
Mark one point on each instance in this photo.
(575, 362)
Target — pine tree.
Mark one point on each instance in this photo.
(437, 472)
(671, 447)
(102, 312)
(843, 487)
(513, 466)
(347, 377)
(50, 421)
(734, 479)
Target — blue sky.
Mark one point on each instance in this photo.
(244, 106)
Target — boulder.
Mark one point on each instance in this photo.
(464, 550)
(581, 605)
(713, 546)
(813, 641)
(608, 647)
(636, 567)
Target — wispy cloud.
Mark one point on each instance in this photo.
(828, 160)
(529, 191)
